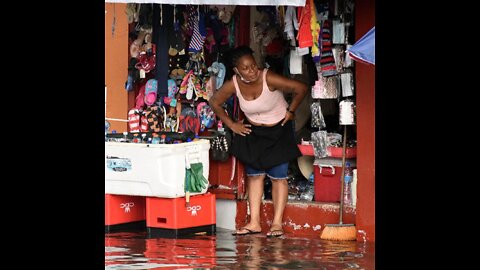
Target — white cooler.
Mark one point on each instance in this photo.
(152, 170)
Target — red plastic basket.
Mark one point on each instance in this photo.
(307, 150)
(337, 152)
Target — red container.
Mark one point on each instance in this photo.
(121, 209)
(172, 213)
(327, 173)
(306, 149)
(336, 152)
(327, 184)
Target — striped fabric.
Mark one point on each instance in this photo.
(192, 14)
(327, 62)
(134, 120)
(199, 34)
(137, 122)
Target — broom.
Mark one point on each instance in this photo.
(340, 231)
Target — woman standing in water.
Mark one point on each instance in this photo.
(264, 141)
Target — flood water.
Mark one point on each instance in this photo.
(136, 250)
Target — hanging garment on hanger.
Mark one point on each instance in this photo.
(304, 36)
(291, 23)
(199, 34)
(315, 28)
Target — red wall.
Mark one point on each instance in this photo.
(365, 93)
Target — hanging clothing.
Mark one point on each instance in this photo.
(304, 32)
(315, 28)
(291, 23)
(199, 34)
(327, 62)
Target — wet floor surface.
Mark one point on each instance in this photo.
(136, 250)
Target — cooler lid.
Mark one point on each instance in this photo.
(336, 162)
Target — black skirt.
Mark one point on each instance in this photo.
(266, 147)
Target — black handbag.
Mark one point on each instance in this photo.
(220, 146)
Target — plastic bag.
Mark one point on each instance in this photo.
(317, 116)
(319, 141)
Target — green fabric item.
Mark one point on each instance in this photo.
(188, 175)
(198, 181)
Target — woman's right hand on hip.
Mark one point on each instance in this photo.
(240, 128)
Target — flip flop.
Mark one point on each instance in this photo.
(151, 92)
(248, 231)
(275, 233)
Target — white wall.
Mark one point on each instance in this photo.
(226, 212)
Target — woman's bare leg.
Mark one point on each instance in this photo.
(279, 198)
(255, 193)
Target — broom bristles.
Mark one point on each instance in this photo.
(340, 232)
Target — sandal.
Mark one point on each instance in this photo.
(275, 233)
(245, 233)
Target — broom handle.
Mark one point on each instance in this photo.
(340, 221)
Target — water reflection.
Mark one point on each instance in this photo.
(135, 250)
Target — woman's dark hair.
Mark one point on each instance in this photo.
(238, 52)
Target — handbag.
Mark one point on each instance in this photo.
(220, 146)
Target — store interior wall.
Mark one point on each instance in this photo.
(116, 65)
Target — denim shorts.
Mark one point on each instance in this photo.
(276, 173)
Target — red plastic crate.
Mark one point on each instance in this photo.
(120, 209)
(172, 213)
